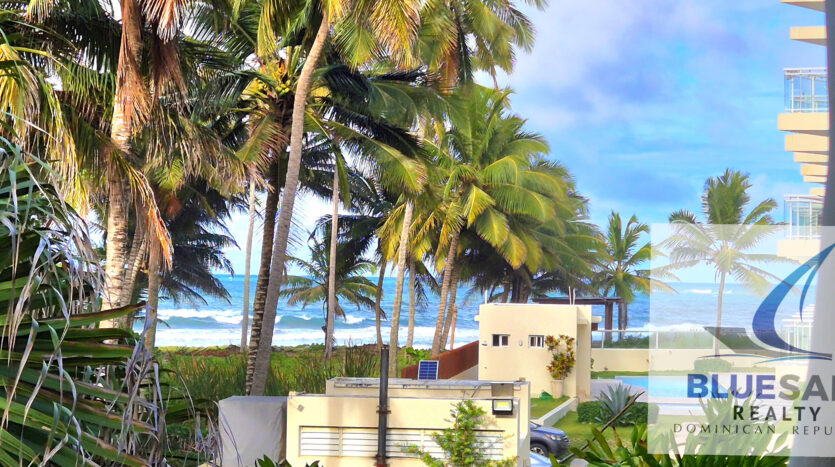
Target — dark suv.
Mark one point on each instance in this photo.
(547, 440)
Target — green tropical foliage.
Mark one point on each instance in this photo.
(460, 442)
(352, 286)
(623, 271)
(71, 395)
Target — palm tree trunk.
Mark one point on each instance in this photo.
(154, 261)
(402, 257)
(621, 319)
(135, 260)
(505, 292)
(448, 266)
(625, 316)
(116, 246)
(450, 316)
(259, 361)
(719, 314)
(128, 100)
(130, 278)
(270, 209)
(410, 339)
(248, 266)
(332, 267)
(378, 311)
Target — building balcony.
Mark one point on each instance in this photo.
(809, 34)
(812, 123)
(806, 90)
(818, 5)
(808, 144)
(803, 216)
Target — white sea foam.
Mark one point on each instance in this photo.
(290, 337)
(349, 319)
(701, 291)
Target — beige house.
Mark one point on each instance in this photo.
(339, 428)
(512, 347)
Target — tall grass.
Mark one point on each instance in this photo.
(208, 379)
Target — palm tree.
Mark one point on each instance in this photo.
(721, 240)
(392, 26)
(462, 37)
(350, 284)
(624, 255)
(131, 105)
(488, 160)
(248, 265)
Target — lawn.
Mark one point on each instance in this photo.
(540, 407)
(579, 433)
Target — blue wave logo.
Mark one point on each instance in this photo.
(771, 346)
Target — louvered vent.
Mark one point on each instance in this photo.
(362, 442)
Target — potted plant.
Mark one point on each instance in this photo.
(562, 361)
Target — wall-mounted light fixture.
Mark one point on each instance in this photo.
(502, 406)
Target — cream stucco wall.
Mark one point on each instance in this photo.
(620, 359)
(351, 403)
(518, 360)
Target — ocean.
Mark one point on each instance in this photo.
(218, 322)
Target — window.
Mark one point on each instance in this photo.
(500, 340)
(536, 341)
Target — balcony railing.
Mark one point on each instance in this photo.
(806, 90)
(803, 215)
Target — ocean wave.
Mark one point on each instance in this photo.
(701, 291)
(291, 337)
(349, 319)
(678, 327)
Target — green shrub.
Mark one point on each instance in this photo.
(629, 342)
(590, 412)
(460, 443)
(712, 365)
(615, 398)
(597, 412)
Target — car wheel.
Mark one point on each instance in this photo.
(540, 449)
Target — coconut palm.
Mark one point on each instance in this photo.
(491, 184)
(624, 255)
(461, 37)
(389, 28)
(721, 240)
(351, 285)
(132, 101)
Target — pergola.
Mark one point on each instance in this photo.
(607, 302)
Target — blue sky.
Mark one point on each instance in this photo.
(645, 99)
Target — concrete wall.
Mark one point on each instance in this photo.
(675, 359)
(415, 406)
(470, 374)
(620, 359)
(519, 360)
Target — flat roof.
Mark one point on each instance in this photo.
(402, 383)
(578, 301)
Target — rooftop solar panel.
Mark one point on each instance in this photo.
(428, 370)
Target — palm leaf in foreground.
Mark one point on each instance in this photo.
(69, 396)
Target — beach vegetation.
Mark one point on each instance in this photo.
(74, 391)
